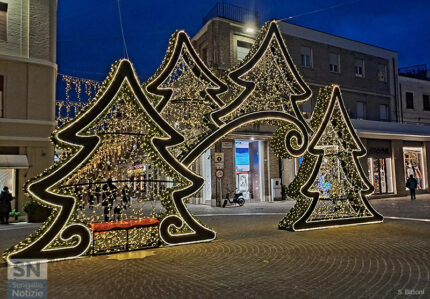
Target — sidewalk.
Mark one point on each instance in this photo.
(389, 207)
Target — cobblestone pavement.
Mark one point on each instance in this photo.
(252, 258)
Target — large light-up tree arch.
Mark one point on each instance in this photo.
(167, 122)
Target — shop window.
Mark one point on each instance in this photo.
(426, 102)
(383, 112)
(334, 61)
(3, 21)
(382, 72)
(361, 110)
(306, 57)
(414, 165)
(409, 100)
(359, 68)
(380, 174)
(242, 49)
(7, 178)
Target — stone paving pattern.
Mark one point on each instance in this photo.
(252, 258)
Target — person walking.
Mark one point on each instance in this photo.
(125, 192)
(412, 184)
(5, 206)
(109, 197)
(105, 202)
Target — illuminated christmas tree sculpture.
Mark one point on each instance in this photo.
(331, 188)
(263, 88)
(120, 108)
(266, 80)
(185, 92)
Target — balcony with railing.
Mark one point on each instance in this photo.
(416, 71)
(232, 12)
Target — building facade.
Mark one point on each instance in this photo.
(368, 76)
(414, 85)
(28, 73)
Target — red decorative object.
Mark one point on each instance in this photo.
(124, 224)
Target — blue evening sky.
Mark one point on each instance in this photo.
(89, 35)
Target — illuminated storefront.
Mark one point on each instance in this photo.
(9, 170)
(381, 174)
(414, 165)
(380, 165)
(8, 178)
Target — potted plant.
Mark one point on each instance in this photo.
(14, 213)
(35, 212)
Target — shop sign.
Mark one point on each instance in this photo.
(379, 151)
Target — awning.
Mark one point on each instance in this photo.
(13, 161)
(391, 130)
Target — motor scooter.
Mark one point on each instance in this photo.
(237, 199)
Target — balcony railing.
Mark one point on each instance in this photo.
(232, 12)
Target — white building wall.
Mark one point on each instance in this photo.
(419, 88)
(17, 43)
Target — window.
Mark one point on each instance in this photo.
(426, 102)
(242, 49)
(361, 110)
(359, 68)
(3, 21)
(383, 112)
(382, 72)
(306, 57)
(414, 165)
(409, 100)
(334, 61)
(1, 96)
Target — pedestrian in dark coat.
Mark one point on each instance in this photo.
(412, 184)
(5, 206)
(125, 192)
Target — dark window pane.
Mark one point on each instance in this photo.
(409, 100)
(426, 102)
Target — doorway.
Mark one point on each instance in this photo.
(248, 169)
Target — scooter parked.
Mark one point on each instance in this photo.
(237, 199)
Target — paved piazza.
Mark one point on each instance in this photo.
(252, 258)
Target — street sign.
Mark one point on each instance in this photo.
(219, 173)
(219, 160)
